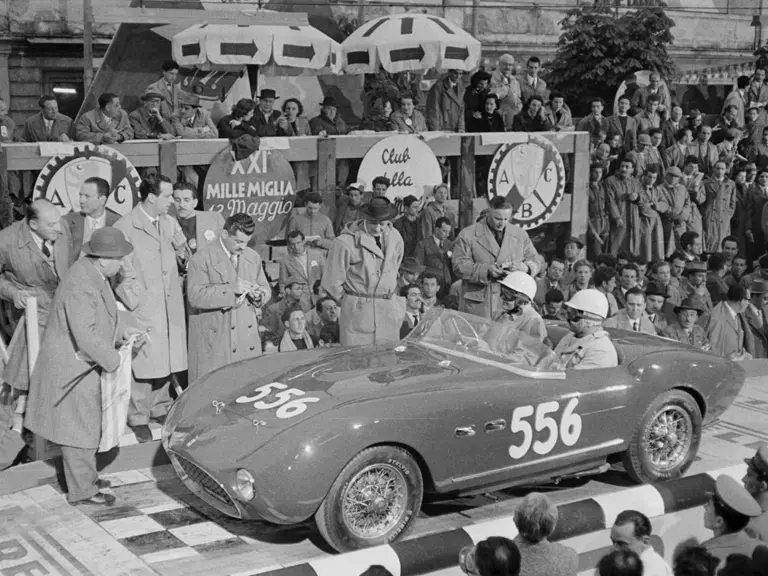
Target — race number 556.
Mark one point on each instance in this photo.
(548, 428)
(288, 401)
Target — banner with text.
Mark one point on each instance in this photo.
(262, 186)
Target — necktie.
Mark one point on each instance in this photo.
(156, 222)
(635, 326)
(415, 319)
(46, 250)
(234, 259)
(378, 241)
(48, 127)
(652, 318)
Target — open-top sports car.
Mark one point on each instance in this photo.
(356, 437)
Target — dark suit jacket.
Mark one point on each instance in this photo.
(75, 222)
(34, 129)
(718, 288)
(407, 326)
(629, 136)
(437, 261)
(697, 338)
(266, 128)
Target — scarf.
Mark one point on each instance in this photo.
(287, 345)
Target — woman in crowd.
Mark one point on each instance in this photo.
(532, 118)
(298, 125)
(408, 119)
(490, 120)
(380, 118)
(237, 123)
(695, 121)
(474, 98)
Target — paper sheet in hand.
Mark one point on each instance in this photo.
(115, 397)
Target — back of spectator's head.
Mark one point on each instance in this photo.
(691, 160)
(554, 296)
(102, 186)
(239, 222)
(687, 239)
(737, 293)
(694, 561)
(717, 262)
(497, 556)
(622, 562)
(314, 198)
(740, 565)
(500, 203)
(242, 107)
(106, 98)
(152, 185)
(680, 134)
(376, 570)
(742, 82)
(605, 260)
(763, 261)
(654, 98)
(535, 517)
(169, 65)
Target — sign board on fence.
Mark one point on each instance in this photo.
(531, 175)
(407, 161)
(62, 177)
(262, 185)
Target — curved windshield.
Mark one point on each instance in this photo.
(483, 340)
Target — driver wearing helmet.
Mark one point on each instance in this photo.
(517, 292)
(587, 346)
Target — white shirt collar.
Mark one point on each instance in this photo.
(100, 221)
(227, 252)
(38, 239)
(151, 220)
(106, 118)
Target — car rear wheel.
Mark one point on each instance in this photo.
(666, 441)
(373, 501)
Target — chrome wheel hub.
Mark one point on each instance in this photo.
(374, 501)
(669, 437)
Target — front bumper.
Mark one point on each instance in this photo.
(204, 486)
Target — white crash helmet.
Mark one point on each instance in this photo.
(520, 282)
(590, 302)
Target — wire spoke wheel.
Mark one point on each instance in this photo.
(669, 437)
(375, 501)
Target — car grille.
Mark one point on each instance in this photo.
(204, 485)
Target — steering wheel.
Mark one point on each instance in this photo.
(465, 340)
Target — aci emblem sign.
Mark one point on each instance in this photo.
(62, 177)
(531, 175)
(262, 186)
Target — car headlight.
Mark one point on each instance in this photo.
(244, 485)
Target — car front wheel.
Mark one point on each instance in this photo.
(666, 442)
(374, 500)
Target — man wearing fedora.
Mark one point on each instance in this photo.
(107, 124)
(147, 120)
(361, 275)
(686, 329)
(330, 123)
(756, 483)
(267, 121)
(694, 283)
(410, 270)
(78, 345)
(757, 319)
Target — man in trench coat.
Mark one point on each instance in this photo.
(150, 287)
(226, 288)
(79, 343)
(485, 253)
(361, 276)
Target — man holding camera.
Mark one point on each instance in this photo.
(148, 122)
(226, 288)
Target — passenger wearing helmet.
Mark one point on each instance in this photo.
(587, 346)
(517, 291)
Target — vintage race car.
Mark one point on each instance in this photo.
(356, 437)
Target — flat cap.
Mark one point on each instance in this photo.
(734, 497)
(674, 171)
(644, 139)
(294, 280)
(759, 462)
(412, 265)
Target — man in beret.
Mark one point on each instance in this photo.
(686, 329)
(727, 514)
(756, 483)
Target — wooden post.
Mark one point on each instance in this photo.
(579, 198)
(168, 161)
(326, 164)
(33, 347)
(87, 44)
(6, 205)
(467, 181)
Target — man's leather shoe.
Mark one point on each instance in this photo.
(102, 484)
(98, 499)
(142, 432)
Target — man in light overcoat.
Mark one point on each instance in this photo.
(304, 263)
(150, 287)
(79, 343)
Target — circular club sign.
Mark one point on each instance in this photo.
(262, 185)
(407, 161)
(62, 177)
(531, 175)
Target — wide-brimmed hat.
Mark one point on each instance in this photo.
(151, 96)
(329, 101)
(656, 289)
(108, 243)
(412, 265)
(267, 93)
(694, 267)
(379, 209)
(759, 286)
(690, 303)
(574, 240)
(188, 99)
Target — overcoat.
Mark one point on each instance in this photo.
(445, 106)
(717, 212)
(757, 329)
(476, 251)
(363, 278)
(151, 289)
(220, 332)
(723, 330)
(290, 266)
(92, 126)
(64, 404)
(24, 267)
(437, 260)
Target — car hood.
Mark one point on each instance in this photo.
(219, 405)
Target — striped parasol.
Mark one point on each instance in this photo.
(409, 41)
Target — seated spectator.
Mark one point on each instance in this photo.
(272, 320)
(238, 122)
(552, 309)
(605, 282)
(48, 125)
(191, 121)
(558, 114)
(620, 563)
(694, 284)
(328, 123)
(517, 292)
(717, 267)
(380, 118)
(632, 531)
(488, 119)
(304, 263)
(474, 98)
(536, 517)
(686, 329)
(316, 227)
(435, 252)
(694, 561)
(724, 328)
(324, 323)
(295, 337)
(494, 556)
(413, 308)
(633, 316)
(168, 87)
(107, 124)
(148, 122)
(7, 125)
(532, 118)
(407, 119)
(266, 121)
(655, 298)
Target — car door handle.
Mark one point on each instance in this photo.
(495, 425)
(464, 431)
